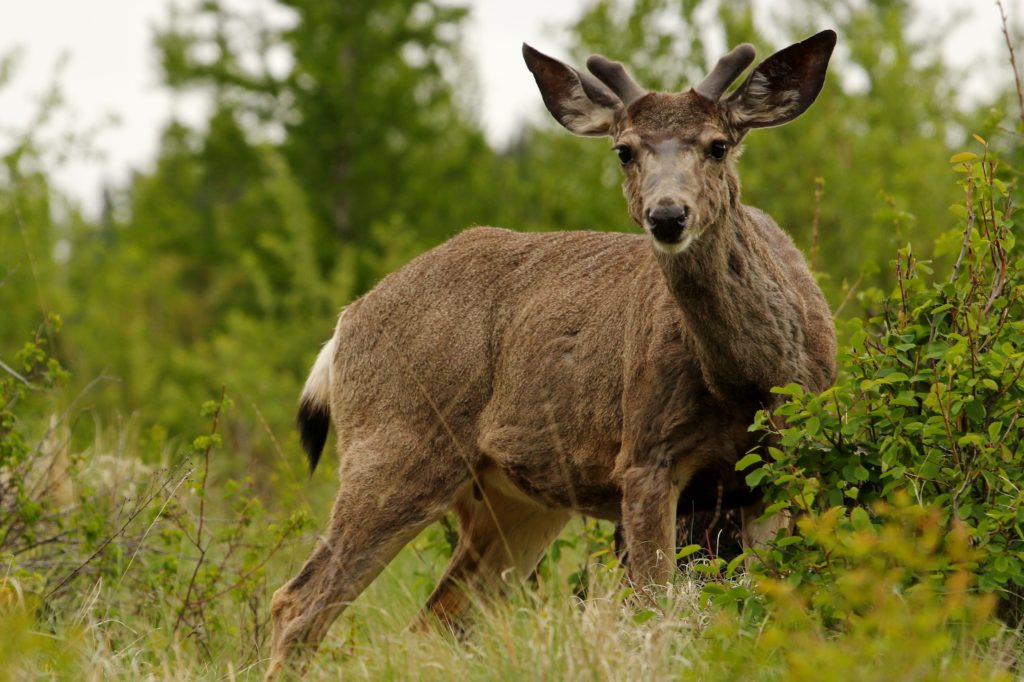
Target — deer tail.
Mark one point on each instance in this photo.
(314, 416)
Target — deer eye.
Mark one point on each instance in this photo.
(718, 149)
(624, 152)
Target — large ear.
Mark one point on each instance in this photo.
(782, 87)
(578, 101)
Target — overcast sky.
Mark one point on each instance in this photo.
(111, 69)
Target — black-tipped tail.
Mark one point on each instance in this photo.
(313, 421)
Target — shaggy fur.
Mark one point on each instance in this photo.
(521, 378)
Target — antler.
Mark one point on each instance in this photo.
(615, 76)
(725, 72)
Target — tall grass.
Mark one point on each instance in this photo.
(543, 632)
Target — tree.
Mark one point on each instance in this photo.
(371, 127)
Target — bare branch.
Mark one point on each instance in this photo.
(819, 192)
(103, 545)
(10, 370)
(967, 236)
(1013, 60)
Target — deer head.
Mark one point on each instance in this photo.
(677, 149)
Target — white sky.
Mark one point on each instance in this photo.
(112, 69)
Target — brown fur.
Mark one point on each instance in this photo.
(520, 378)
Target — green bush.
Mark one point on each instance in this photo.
(929, 401)
(25, 470)
(99, 543)
(899, 603)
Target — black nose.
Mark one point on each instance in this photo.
(667, 222)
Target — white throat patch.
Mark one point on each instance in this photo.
(677, 248)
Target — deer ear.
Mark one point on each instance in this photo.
(782, 86)
(579, 102)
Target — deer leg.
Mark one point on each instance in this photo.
(649, 498)
(387, 496)
(758, 532)
(501, 539)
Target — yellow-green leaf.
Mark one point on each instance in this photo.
(752, 458)
(687, 551)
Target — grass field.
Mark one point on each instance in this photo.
(109, 628)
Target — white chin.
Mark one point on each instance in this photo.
(677, 248)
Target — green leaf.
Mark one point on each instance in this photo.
(860, 518)
(687, 551)
(643, 616)
(730, 569)
(971, 439)
(789, 540)
(747, 460)
(755, 477)
(962, 157)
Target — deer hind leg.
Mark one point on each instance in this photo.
(501, 539)
(758, 532)
(387, 496)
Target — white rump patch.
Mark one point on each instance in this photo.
(317, 390)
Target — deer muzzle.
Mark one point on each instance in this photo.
(667, 223)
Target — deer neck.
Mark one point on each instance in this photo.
(723, 287)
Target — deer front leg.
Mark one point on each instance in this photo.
(649, 497)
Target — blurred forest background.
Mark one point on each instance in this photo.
(225, 265)
(228, 262)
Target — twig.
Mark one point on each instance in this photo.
(1013, 59)
(849, 295)
(252, 571)
(900, 277)
(10, 370)
(39, 543)
(819, 191)
(967, 235)
(43, 307)
(202, 514)
(299, 488)
(155, 519)
(120, 531)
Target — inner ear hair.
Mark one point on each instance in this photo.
(784, 85)
(581, 103)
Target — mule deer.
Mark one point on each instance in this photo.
(522, 378)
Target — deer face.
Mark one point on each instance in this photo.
(677, 149)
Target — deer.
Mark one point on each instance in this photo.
(523, 378)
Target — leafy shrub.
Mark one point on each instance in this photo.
(898, 604)
(26, 471)
(179, 552)
(929, 402)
